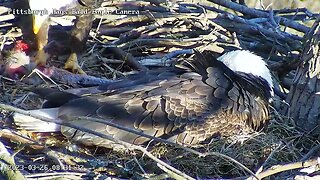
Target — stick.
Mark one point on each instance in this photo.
(281, 168)
(8, 168)
(259, 13)
(311, 152)
(5, 133)
(127, 57)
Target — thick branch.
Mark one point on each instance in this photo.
(257, 13)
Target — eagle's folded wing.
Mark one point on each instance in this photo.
(183, 106)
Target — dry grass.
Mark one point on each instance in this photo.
(279, 144)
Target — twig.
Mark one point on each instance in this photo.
(300, 17)
(156, 42)
(6, 17)
(170, 168)
(127, 57)
(281, 168)
(158, 177)
(51, 154)
(55, 175)
(177, 53)
(139, 165)
(254, 26)
(6, 133)
(156, 62)
(170, 173)
(311, 152)
(286, 10)
(8, 168)
(194, 8)
(258, 13)
(41, 75)
(284, 42)
(165, 60)
(232, 160)
(268, 158)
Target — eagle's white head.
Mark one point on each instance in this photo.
(247, 62)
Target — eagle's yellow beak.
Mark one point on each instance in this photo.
(38, 19)
(38, 22)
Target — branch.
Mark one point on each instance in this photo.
(126, 57)
(8, 168)
(56, 175)
(13, 136)
(281, 168)
(258, 13)
(166, 42)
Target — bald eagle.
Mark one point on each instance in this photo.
(189, 104)
(79, 34)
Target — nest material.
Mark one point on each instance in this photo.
(158, 36)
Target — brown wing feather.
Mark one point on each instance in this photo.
(187, 108)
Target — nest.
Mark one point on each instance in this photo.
(159, 35)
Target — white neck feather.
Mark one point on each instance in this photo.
(247, 62)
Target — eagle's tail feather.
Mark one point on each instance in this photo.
(35, 125)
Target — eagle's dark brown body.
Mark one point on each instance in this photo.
(184, 106)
